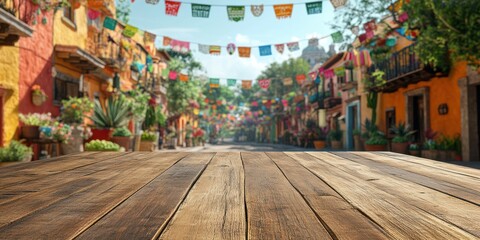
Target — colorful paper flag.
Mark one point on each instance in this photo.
(172, 75)
(130, 31)
(153, 2)
(338, 3)
(300, 79)
(183, 77)
(93, 14)
(244, 52)
(205, 49)
(257, 10)
(167, 41)
(280, 48)
(231, 82)
(329, 73)
(231, 48)
(172, 7)
(215, 50)
(246, 84)
(236, 13)
(337, 37)
(265, 50)
(339, 71)
(200, 10)
(314, 7)
(109, 23)
(149, 37)
(370, 26)
(293, 46)
(283, 10)
(313, 75)
(264, 83)
(287, 81)
(180, 46)
(214, 82)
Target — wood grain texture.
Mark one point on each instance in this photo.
(397, 218)
(438, 204)
(332, 209)
(275, 210)
(214, 208)
(68, 217)
(144, 214)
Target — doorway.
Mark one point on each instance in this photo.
(353, 122)
(2, 99)
(418, 112)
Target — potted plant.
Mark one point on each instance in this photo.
(357, 142)
(414, 149)
(148, 140)
(376, 142)
(137, 102)
(370, 129)
(102, 145)
(115, 115)
(402, 134)
(122, 136)
(32, 122)
(15, 152)
(457, 148)
(74, 113)
(320, 137)
(38, 95)
(430, 146)
(335, 136)
(446, 148)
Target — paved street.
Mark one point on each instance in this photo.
(230, 146)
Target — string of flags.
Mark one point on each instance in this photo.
(236, 13)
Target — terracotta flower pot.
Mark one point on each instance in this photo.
(123, 142)
(336, 145)
(101, 134)
(148, 146)
(357, 142)
(38, 99)
(415, 153)
(319, 144)
(400, 147)
(369, 147)
(30, 132)
(430, 154)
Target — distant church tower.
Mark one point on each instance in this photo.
(314, 54)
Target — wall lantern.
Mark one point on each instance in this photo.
(443, 109)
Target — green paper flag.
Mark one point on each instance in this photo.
(109, 23)
(200, 10)
(231, 82)
(236, 13)
(314, 7)
(129, 31)
(214, 82)
(337, 37)
(339, 72)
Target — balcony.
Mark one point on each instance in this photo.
(401, 69)
(106, 48)
(11, 28)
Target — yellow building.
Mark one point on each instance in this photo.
(12, 28)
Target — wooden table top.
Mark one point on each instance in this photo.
(254, 195)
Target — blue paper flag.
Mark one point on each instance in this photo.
(265, 50)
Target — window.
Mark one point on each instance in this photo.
(69, 16)
(65, 87)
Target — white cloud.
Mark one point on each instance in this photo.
(162, 31)
(226, 66)
(244, 39)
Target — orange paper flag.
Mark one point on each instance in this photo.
(166, 41)
(244, 52)
(183, 77)
(283, 10)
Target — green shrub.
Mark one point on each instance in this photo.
(122, 132)
(377, 138)
(402, 133)
(149, 136)
(115, 115)
(15, 152)
(102, 145)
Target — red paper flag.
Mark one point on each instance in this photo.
(264, 83)
(171, 8)
(300, 79)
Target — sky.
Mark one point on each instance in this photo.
(252, 31)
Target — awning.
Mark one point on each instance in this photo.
(78, 58)
(12, 28)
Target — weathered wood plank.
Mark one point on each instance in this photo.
(214, 208)
(36, 170)
(145, 214)
(396, 217)
(70, 216)
(441, 186)
(275, 210)
(429, 163)
(331, 208)
(438, 173)
(440, 205)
